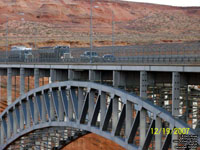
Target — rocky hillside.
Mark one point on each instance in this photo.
(50, 22)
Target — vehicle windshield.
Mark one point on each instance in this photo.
(87, 53)
(92, 53)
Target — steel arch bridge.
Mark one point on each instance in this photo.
(85, 106)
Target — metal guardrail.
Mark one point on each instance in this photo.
(180, 53)
(136, 59)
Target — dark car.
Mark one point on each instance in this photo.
(109, 58)
(87, 55)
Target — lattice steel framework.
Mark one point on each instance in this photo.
(109, 112)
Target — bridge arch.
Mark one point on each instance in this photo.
(109, 112)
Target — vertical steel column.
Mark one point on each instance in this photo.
(52, 111)
(175, 100)
(116, 78)
(36, 77)
(36, 112)
(8, 126)
(103, 107)
(94, 76)
(21, 123)
(70, 110)
(114, 113)
(60, 107)
(119, 79)
(80, 101)
(15, 124)
(91, 75)
(91, 104)
(2, 133)
(52, 75)
(70, 74)
(175, 93)
(143, 84)
(70, 106)
(43, 117)
(129, 118)
(22, 81)
(9, 86)
(142, 126)
(158, 137)
(28, 114)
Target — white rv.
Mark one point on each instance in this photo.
(20, 48)
(19, 53)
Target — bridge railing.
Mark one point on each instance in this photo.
(131, 60)
(179, 53)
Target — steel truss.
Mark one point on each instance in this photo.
(109, 112)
